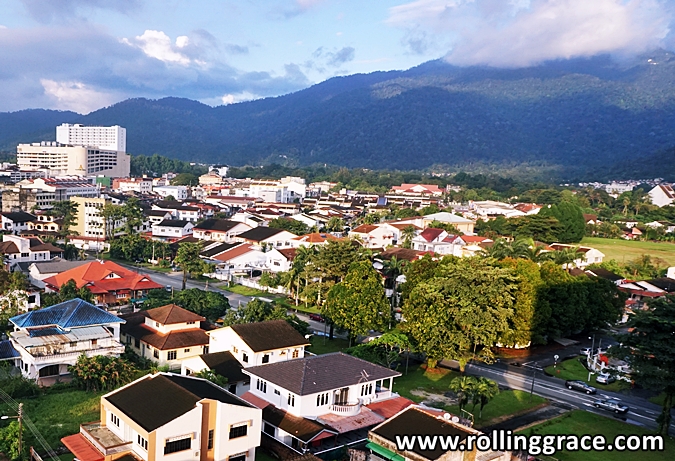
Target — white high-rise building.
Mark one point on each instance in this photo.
(60, 160)
(103, 137)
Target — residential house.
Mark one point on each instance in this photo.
(239, 346)
(237, 258)
(49, 340)
(166, 335)
(259, 343)
(43, 226)
(438, 241)
(178, 210)
(177, 192)
(109, 282)
(141, 186)
(316, 238)
(15, 222)
(321, 402)
(587, 255)
(219, 230)
(39, 271)
(489, 209)
(165, 416)
(156, 216)
(251, 219)
(418, 189)
(172, 229)
(662, 195)
(280, 260)
(382, 235)
(382, 440)
(463, 225)
(267, 237)
(528, 208)
(21, 249)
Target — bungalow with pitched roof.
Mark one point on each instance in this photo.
(166, 335)
(269, 237)
(219, 230)
(438, 241)
(280, 260)
(172, 229)
(662, 195)
(322, 402)
(169, 417)
(110, 283)
(49, 340)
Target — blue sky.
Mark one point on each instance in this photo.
(85, 54)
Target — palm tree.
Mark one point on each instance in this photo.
(484, 391)
(567, 256)
(463, 387)
(408, 233)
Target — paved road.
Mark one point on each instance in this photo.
(641, 413)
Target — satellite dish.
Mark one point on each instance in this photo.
(447, 416)
(455, 419)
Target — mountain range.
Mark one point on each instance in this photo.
(575, 117)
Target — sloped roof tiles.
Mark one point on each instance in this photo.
(69, 314)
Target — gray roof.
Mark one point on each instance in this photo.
(269, 335)
(173, 223)
(320, 373)
(57, 266)
(19, 216)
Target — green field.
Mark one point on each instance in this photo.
(323, 345)
(580, 422)
(247, 291)
(624, 250)
(573, 369)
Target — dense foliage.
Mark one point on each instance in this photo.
(208, 304)
(101, 372)
(259, 311)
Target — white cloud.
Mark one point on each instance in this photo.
(3, 27)
(157, 44)
(238, 97)
(519, 33)
(76, 96)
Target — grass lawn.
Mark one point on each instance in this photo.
(624, 250)
(506, 403)
(573, 369)
(59, 414)
(323, 345)
(262, 455)
(438, 382)
(301, 308)
(580, 422)
(247, 291)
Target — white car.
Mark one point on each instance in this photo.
(604, 378)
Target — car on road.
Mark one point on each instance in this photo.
(611, 405)
(316, 318)
(605, 378)
(580, 386)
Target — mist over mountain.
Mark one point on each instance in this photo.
(583, 117)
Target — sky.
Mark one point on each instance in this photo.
(82, 55)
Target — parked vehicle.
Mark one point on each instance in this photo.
(604, 378)
(585, 351)
(611, 405)
(316, 318)
(580, 386)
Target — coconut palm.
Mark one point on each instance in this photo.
(484, 390)
(463, 387)
(408, 233)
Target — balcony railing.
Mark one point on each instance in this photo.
(44, 355)
(347, 409)
(104, 439)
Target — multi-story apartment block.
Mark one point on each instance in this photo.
(63, 188)
(89, 220)
(104, 137)
(66, 159)
(177, 192)
(139, 185)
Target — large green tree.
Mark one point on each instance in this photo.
(462, 312)
(259, 311)
(289, 224)
(571, 219)
(650, 351)
(358, 303)
(525, 324)
(187, 257)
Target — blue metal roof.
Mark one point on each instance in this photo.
(46, 331)
(7, 351)
(69, 314)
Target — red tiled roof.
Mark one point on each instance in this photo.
(316, 238)
(81, 448)
(234, 252)
(388, 408)
(365, 229)
(103, 276)
(431, 233)
(171, 314)
(254, 400)
(474, 239)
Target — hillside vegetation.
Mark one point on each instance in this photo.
(576, 117)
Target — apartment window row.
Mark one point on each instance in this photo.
(238, 431)
(291, 400)
(261, 386)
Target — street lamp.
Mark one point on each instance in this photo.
(20, 418)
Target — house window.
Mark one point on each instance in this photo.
(276, 391)
(234, 349)
(186, 350)
(24, 255)
(296, 353)
(238, 431)
(93, 342)
(190, 323)
(137, 343)
(156, 353)
(115, 420)
(157, 324)
(73, 344)
(171, 355)
(244, 357)
(261, 386)
(291, 400)
(209, 443)
(182, 444)
(266, 358)
(205, 349)
(238, 458)
(142, 442)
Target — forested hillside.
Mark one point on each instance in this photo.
(577, 117)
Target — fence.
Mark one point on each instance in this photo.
(247, 282)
